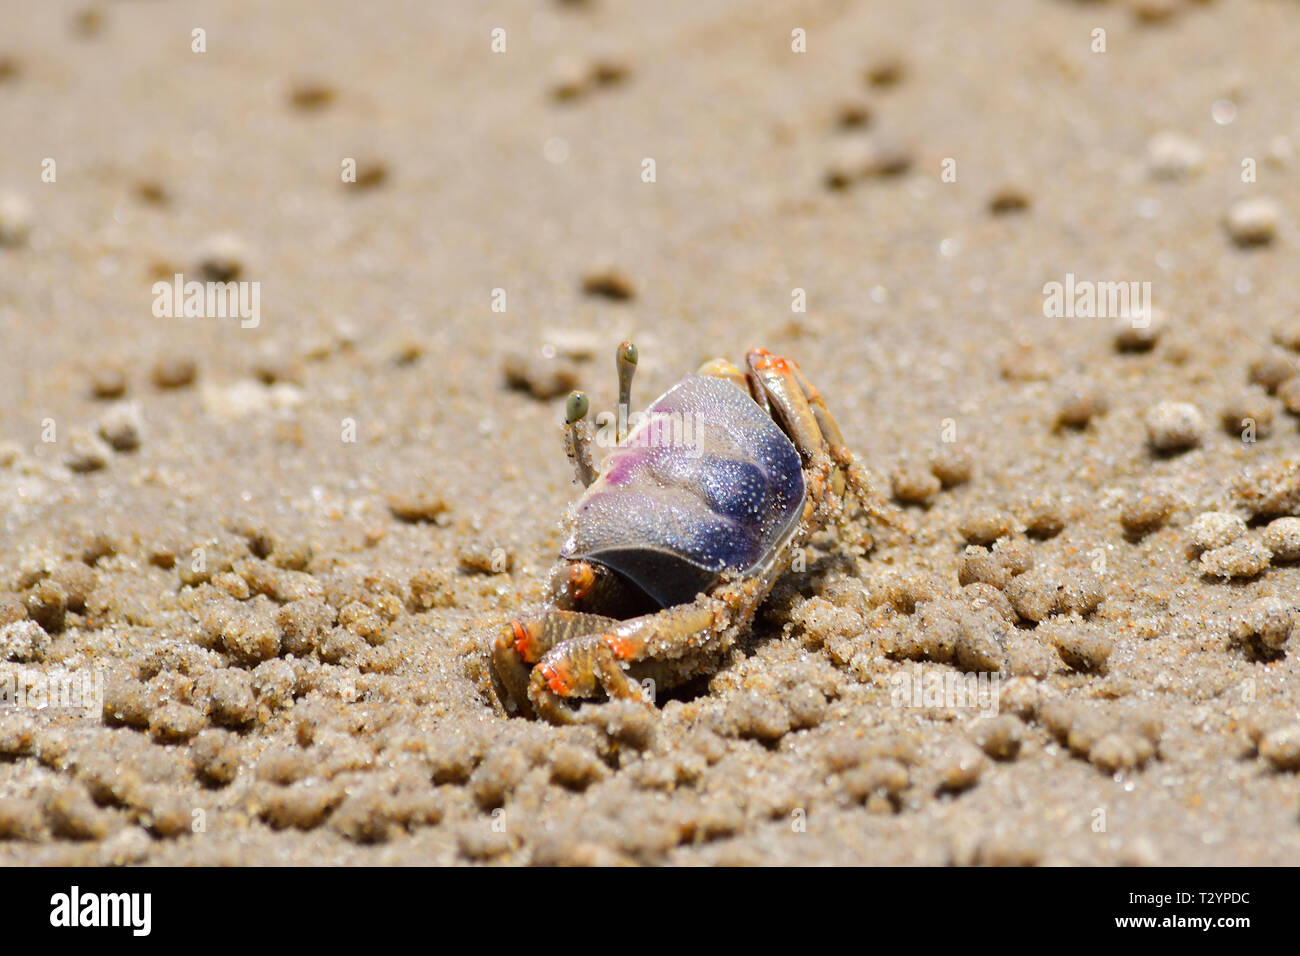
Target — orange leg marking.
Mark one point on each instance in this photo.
(623, 647)
(767, 362)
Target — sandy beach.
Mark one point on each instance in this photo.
(1039, 258)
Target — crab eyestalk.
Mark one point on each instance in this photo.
(577, 437)
(625, 359)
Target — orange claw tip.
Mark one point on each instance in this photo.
(520, 634)
(557, 679)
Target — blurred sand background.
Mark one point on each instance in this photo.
(317, 689)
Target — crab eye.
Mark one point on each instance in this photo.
(626, 354)
(575, 409)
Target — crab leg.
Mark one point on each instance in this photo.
(575, 669)
(582, 665)
(522, 643)
(772, 379)
(832, 436)
(673, 640)
(813, 428)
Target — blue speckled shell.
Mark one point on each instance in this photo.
(671, 515)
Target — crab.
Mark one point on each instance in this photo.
(681, 535)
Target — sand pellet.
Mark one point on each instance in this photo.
(978, 565)
(480, 559)
(175, 372)
(1282, 538)
(417, 505)
(540, 376)
(960, 767)
(1215, 529)
(1135, 338)
(914, 484)
(175, 723)
(107, 381)
(21, 819)
(47, 604)
(1174, 426)
(1080, 407)
(1243, 558)
(230, 700)
(887, 70)
(1146, 511)
(1281, 747)
(981, 645)
(1154, 11)
(15, 220)
(86, 452)
(1000, 737)
(1289, 393)
(70, 814)
(1265, 627)
(120, 426)
(865, 157)
(1082, 647)
(1043, 517)
(1271, 371)
(24, 641)
(1287, 334)
(1269, 491)
(1248, 414)
(952, 465)
(759, 717)
(222, 258)
(984, 525)
(1253, 221)
(609, 284)
(310, 95)
(1171, 155)
(853, 115)
(1008, 199)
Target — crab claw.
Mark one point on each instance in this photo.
(721, 368)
